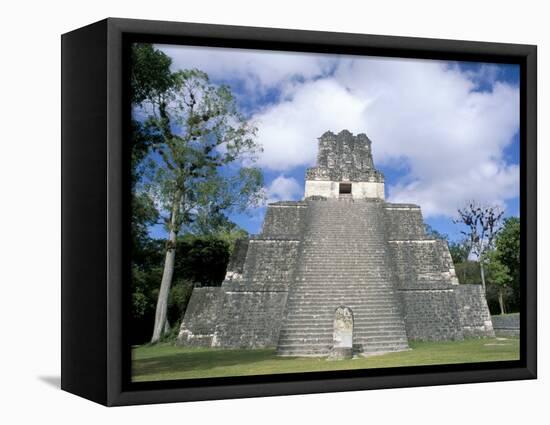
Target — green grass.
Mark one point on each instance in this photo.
(166, 361)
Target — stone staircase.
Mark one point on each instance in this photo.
(343, 261)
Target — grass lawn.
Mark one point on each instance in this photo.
(166, 361)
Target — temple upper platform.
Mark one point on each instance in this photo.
(345, 168)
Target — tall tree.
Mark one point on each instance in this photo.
(459, 251)
(199, 144)
(150, 75)
(483, 224)
(499, 276)
(508, 253)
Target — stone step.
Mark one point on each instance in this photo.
(345, 285)
(365, 342)
(333, 287)
(357, 276)
(363, 293)
(317, 286)
(323, 348)
(327, 228)
(325, 234)
(358, 301)
(321, 264)
(356, 335)
(339, 281)
(297, 322)
(339, 286)
(357, 315)
(326, 288)
(328, 320)
(329, 323)
(329, 306)
(309, 330)
(357, 296)
(310, 322)
(329, 328)
(350, 251)
(355, 285)
(343, 262)
(326, 260)
(337, 290)
(305, 294)
(325, 314)
(327, 310)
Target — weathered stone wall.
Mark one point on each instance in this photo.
(284, 219)
(473, 311)
(331, 189)
(423, 264)
(431, 315)
(425, 276)
(271, 262)
(251, 318)
(506, 324)
(252, 305)
(404, 222)
(236, 261)
(199, 323)
(366, 190)
(326, 251)
(326, 189)
(344, 157)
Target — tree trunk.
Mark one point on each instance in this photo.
(482, 271)
(501, 302)
(167, 274)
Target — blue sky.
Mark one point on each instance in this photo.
(443, 133)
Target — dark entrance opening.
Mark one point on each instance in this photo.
(345, 188)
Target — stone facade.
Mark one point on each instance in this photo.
(343, 159)
(506, 324)
(338, 250)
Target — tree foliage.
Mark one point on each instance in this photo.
(483, 222)
(459, 251)
(198, 130)
(507, 263)
(468, 273)
(150, 75)
(200, 261)
(203, 259)
(508, 248)
(500, 261)
(193, 152)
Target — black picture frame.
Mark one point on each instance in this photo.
(95, 353)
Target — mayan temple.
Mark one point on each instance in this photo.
(341, 272)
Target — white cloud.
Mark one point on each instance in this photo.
(423, 113)
(490, 183)
(258, 69)
(284, 189)
(288, 131)
(427, 115)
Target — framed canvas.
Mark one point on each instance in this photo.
(252, 212)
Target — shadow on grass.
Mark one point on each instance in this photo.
(170, 362)
(200, 360)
